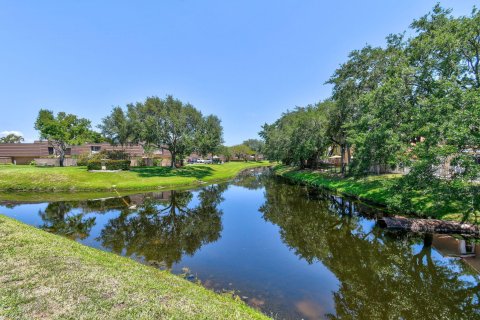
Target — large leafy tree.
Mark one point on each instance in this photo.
(414, 103)
(444, 54)
(11, 138)
(62, 130)
(299, 136)
(256, 145)
(117, 127)
(175, 126)
(241, 151)
(210, 136)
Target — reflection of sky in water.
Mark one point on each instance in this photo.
(27, 213)
(250, 255)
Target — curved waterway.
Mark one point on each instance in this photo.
(292, 252)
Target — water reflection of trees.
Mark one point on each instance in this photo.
(252, 179)
(381, 276)
(57, 218)
(69, 218)
(161, 232)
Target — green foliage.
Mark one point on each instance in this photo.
(225, 152)
(94, 165)
(414, 103)
(255, 144)
(209, 136)
(117, 127)
(165, 124)
(11, 138)
(62, 130)
(299, 135)
(109, 164)
(82, 159)
(241, 151)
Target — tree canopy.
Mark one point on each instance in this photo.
(413, 103)
(166, 124)
(11, 138)
(62, 130)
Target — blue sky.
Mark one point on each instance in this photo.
(245, 61)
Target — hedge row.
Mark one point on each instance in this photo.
(109, 164)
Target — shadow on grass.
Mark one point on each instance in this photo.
(196, 172)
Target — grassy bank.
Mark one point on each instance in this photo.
(45, 276)
(29, 178)
(376, 190)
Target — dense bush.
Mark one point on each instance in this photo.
(109, 164)
(118, 165)
(115, 155)
(94, 165)
(85, 158)
(82, 159)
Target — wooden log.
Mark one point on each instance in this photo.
(428, 225)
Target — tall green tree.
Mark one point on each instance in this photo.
(169, 124)
(62, 131)
(300, 136)
(117, 127)
(210, 136)
(414, 103)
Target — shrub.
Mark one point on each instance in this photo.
(109, 164)
(116, 155)
(94, 165)
(118, 165)
(82, 159)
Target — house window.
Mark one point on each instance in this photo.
(50, 151)
(68, 151)
(95, 149)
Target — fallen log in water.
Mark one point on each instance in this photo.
(428, 225)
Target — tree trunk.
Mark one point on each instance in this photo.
(62, 158)
(349, 155)
(342, 160)
(428, 225)
(173, 159)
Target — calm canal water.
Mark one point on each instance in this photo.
(292, 252)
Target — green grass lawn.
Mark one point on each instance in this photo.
(377, 190)
(45, 276)
(30, 178)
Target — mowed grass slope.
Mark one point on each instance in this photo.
(30, 178)
(45, 276)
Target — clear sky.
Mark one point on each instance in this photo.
(245, 61)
